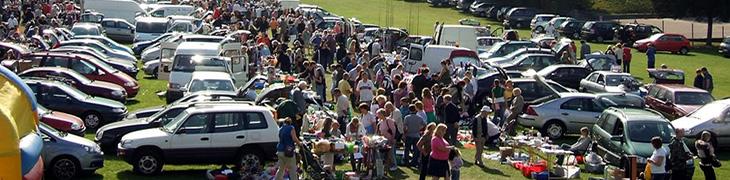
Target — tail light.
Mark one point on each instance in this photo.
(531, 111)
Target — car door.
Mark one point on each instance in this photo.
(228, 134)
(111, 29)
(603, 131)
(662, 103)
(125, 30)
(415, 58)
(191, 141)
(722, 129)
(578, 113)
(599, 85)
(585, 82)
(238, 63)
(661, 43)
(59, 100)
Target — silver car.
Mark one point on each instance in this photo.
(605, 81)
(66, 155)
(118, 29)
(572, 111)
(713, 117)
(101, 47)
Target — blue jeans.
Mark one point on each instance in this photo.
(499, 114)
(455, 174)
(321, 92)
(411, 148)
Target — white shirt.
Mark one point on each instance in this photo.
(492, 129)
(365, 89)
(398, 118)
(661, 152)
(423, 115)
(367, 120)
(12, 22)
(376, 49)
(343, 104)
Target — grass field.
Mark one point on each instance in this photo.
(419, 18)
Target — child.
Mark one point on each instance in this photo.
(456, 163)
(335, 131)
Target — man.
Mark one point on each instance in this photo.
(709, 85)
(699, 79)
(584, 49)
(342, 107)
(479, 132)
(452, 114)
(376, 48)
(627, 58)
(650, 56)
(298, 97)
(518, 103)
(420, 81)
(397, 116)
(678, 156)
(412, 128)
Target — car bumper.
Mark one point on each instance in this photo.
(126, 154)
(113, 117)
(529, 120)
(724, 51)
(132, 91)
(150, 68)
(172, 95)
(92, 161)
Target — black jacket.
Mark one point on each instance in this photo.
(451, 112)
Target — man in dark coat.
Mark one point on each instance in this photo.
(452, 114)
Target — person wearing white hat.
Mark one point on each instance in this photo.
(480, 133)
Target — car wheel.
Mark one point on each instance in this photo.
(539, 29)
(599, 38)
(554, 129)
(248, 159)
(65, 168)
(92, 120)
(154, 73)
(148, 163)
(684, 51)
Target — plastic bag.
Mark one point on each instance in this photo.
(647, 172)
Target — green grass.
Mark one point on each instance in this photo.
(419, 18)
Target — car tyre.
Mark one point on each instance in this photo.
(154, 73)
(539, 29)
(554, 129)
(92, 120)
(65, 167)
(148, 162)
(248, 158)
(684, 51)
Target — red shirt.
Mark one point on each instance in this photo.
(627, 54)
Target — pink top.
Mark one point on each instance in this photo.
(428, 104)
(436, 144)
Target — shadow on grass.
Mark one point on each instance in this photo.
(149, 77)
(177, 174)
(132, 102)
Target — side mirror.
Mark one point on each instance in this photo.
(602, 83)
(668, 102)
(617, 138)
(180, 131)
(100, 73)
(184, 89)
(48, 139)
(156, 123)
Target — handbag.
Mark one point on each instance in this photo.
(289, 151)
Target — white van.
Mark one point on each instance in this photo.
(429, 55)
(464, 36)
(123, 9)
(289, 4)
(168, 10)
(189, 57)
(148, 28)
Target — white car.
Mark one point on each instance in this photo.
(540, 21)
(210, 81)
(605, 81)
(243, 134)
(713, 117)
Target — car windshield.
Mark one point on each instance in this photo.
(601, 63)
(615, 80)
(188, 63)
(726, 40)
(709, 110)
(52, 130)
(655, 36)
(621, 100)
(643, 131)
(466, 60)
(211, 84)
(151, 27)
(74, 92)
(693, 98)
(79, 77)
(175, 122)
(85, 31)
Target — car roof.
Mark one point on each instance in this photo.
(85, 24)
(545, 15)
(198, 46)
(576, 94)
(554, 67)
(55, 69)
(113, 19)
(611, 73)
(210, 75)
(225, 108)
(152, 19)
(633, 114)
(80, 41)
(680, 88)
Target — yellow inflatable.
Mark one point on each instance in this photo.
(20, 145)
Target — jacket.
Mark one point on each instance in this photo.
(451, 112)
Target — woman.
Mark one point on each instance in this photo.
(428, 105)
(706, 153)
(399, 93)
(386, 128)
(438, 165)
(285, 150)
(658, 160)
(365, 88)
(498, 102)
(367, 118)
(355, 130)
(424, 146)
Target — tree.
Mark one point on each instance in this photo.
(710, 10)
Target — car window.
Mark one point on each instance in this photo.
(692, 98)
(600, 79)
(108, 24)
(593, 77)
(608, 123)
(158, 13)
(415, 54)
(227, 122)
(170, 115)
(82, 67)
(618, 128)
(726, 116)
(653, 91)
(644, 131)
(195, 124)
(662, 94)
(573, 104)
(123, 25)
(56, 61)
(255, 120)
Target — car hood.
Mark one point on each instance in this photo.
(152, 135)
(151, 53)
(106, 102)
(494, 60)
(74, 139)
(690, 122)
(640, 149)
(688, 108)
(106, 85)
(64, 117)
(148, 109)
(123, 124)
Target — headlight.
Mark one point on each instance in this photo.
(688, 131)
(125, 143)
(173, 86)
(129, 84)
(132, 68)
(99, 134)
(641, 160)
(117, 93)
(118, 110)
(75, 126)
(94, 149)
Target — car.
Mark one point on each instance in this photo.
(666, 76)
(479, 9)
(93, 110)
(570, 112)
(101, 48)
(240, 134)
(568, 75)
(140, 46)
(93, 29)
(503, 48)
(153, 53)
(61, 121)
(502, 12)
(529, 61)
(108, 42)
(534, 89)
(485, 43)
(622, 132)
(571, 29)
(193, 97)
(73, 78)
(516, 53)
(713, 117)
(68, 156)
(519, 17)
(119, 29)
(600, 62)
(605, 81)
(109, 135)
(437, 3)
(463, 5)
(636, 31)
(675, 43)
(559, 20)
(87, 66)
(599, 31)
(19, 50)
(676, 100)
(725, 47)
(210, 81)
(129, 68)
(540, 22)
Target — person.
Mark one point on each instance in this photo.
(412, 128)
(438, 165)
(428, 105)
(706, 153)
(550, 30)
(618, 50)
(365, 88)
(498, 105)
(650, 56)
(421, 113)
(479, 132)
(354, 130)
(285, 150)
(342, 107)
(386, 128)
(585, 48)
(421, 81)
(298, 96)
(376, 48)
(565, 58)
(709, 84)
(627, 58)
(367, 118)
(319, 81)
(508, 87)
(400, 92)
(699, 79)
(397, 116)
(452, 114)
(580, 146)
(456, 163)
(658, 159)
(518, 103)
(335, 130)
(678, 156)
(424, 147)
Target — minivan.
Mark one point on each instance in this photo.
(168, 10)
(148, 28)
(187, 58)
(125, 9)
(599, 31)
(519, 17)
(459, 35)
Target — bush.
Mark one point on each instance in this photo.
(623, 6)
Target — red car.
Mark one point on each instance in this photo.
(676, 100)
(62, 121)
(675, 43)
(75, 79)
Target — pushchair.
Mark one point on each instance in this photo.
(312, 167)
